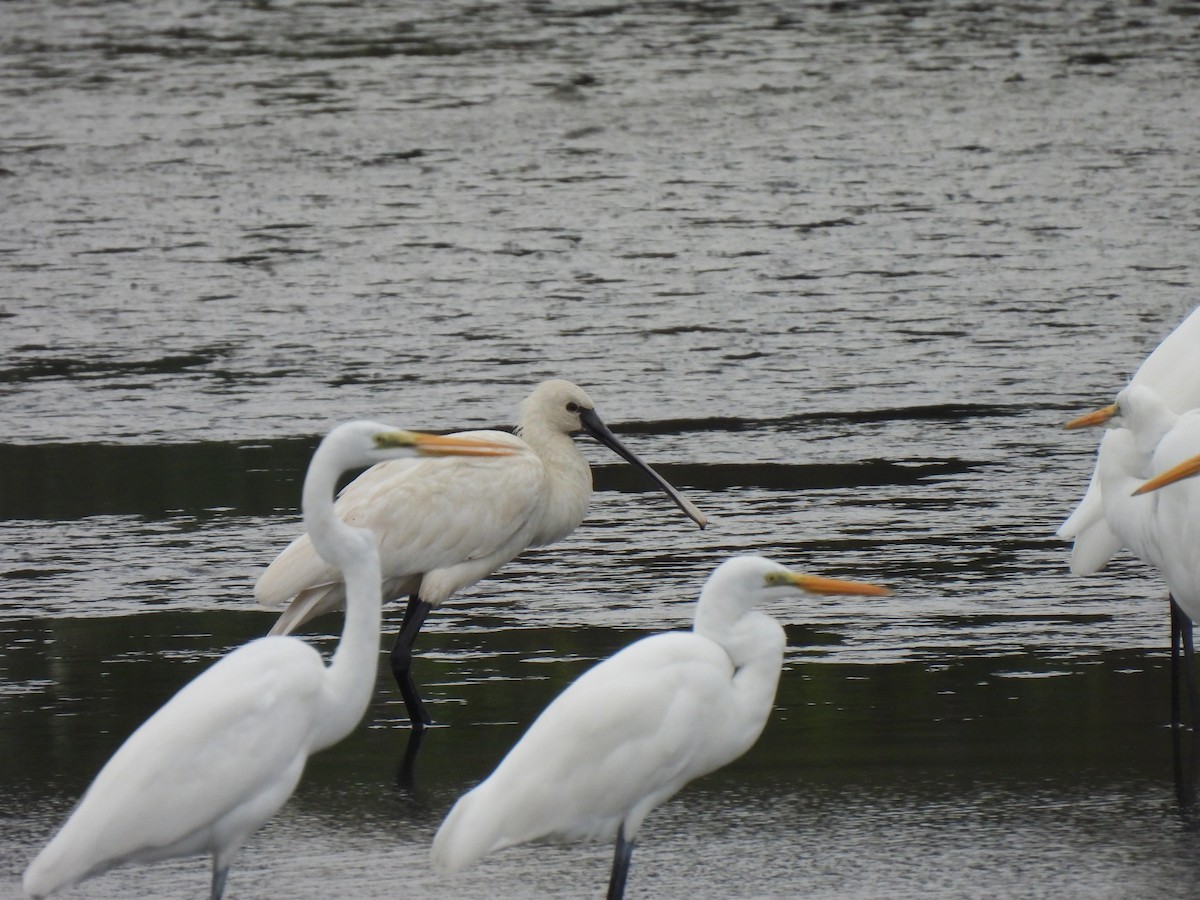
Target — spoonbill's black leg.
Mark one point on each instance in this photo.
(406, 776)
(1183, 670)
(401, 657)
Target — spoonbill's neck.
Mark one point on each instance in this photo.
(568, 482)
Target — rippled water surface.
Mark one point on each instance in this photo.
(839, 270)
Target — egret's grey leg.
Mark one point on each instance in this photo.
(620, 866)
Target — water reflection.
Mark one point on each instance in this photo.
(881, 780)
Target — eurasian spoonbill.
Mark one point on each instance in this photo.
(444, 527)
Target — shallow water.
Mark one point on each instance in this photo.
(838, 271)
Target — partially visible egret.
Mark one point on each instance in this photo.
(1143, 413)
(1161, 528)
(444, 527)
(632, 731)
(1176, 509)
(1172, 372)
(215, 763)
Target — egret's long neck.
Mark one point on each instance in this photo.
(717, 612)
(755, 643)
(1121, 467)
(1154, 429)
(350, 675)
(568, 481)
(1121, 463)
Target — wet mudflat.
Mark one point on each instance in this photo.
(839, 270)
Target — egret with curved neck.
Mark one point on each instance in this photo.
(632, 731)
(224, 754)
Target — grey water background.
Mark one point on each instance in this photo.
(839, 270)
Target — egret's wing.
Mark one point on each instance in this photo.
(1089, 511)
(1173, 369)
(428, 514)
(1094, 546)
(625, 730)
(1095, 543)
(231, 743)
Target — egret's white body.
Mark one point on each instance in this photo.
(633, 730)
(445, 526)
(1161, 528)
(1172, 373)
(1146, 417)
(215, 763)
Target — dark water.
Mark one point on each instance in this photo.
(840, 270)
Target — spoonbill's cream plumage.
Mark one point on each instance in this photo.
(1172, 373)
(632, 731)
(443, 527)
(215, 763)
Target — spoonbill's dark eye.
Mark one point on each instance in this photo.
(572, 406)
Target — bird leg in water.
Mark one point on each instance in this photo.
(401, 656)
(218, 880)
(1185, 757)
(1182, 644)
(406, 774)
(620, 866)
(1176, 635)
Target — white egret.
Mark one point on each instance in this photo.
(1166, 522)
(633, 730)
(1141, 411)
(1172, 372)
(1161, 528)
(216, 762)
(444, 527)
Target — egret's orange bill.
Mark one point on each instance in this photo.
(1185, 469)
(445, 445)
(815, 584)
(1094, 418)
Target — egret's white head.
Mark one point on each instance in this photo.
(363, 443)
(1137, 407)
(742, 583)
(758, 579)
(1146, 414)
